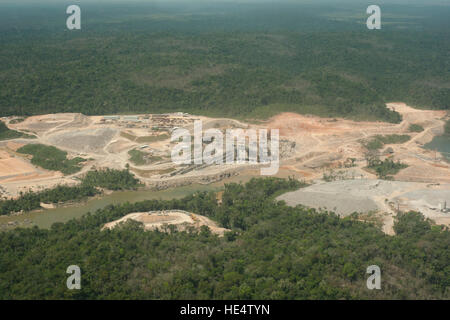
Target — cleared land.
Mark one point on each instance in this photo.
(161, 219)
(329, 197)
(87, 141)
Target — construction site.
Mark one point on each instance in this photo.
(311, 148)
(161, 220)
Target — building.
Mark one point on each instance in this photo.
(131, 118)
(111, 118)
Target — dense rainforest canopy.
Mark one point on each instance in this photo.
(273, 252)
(238, 60)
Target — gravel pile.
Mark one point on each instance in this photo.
(344, 197)
(342, 204)
(89, 140)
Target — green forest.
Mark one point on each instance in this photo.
(52, 158)
(272, 252)
(236, 60)
(6, 133)
(109, 179)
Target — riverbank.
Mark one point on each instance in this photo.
(44, 218)
(441, 143)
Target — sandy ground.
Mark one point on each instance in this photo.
(159, 219)
(17, 174)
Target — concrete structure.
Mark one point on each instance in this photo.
(443, 207)
(131, 118)
(111, 117)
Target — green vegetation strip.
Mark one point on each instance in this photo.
(145, 139)
(51, 158)
(378, 141)
(447, 128)
(17, 120)
(140, 158)
(385, 169)
(137, 157)
(149, 139)
(415, 128)
(106, 179)
(7, 134)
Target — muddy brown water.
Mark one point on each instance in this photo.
(46, 217)
(441, 144)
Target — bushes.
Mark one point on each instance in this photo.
(378, 141)
(138, 157)
(6, 133)
(415, 128)
(384, 169)
(51, 158)
(32, 200)
(111, 179)
(411, 224)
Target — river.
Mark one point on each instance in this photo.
(46, 217)
(441, 144)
